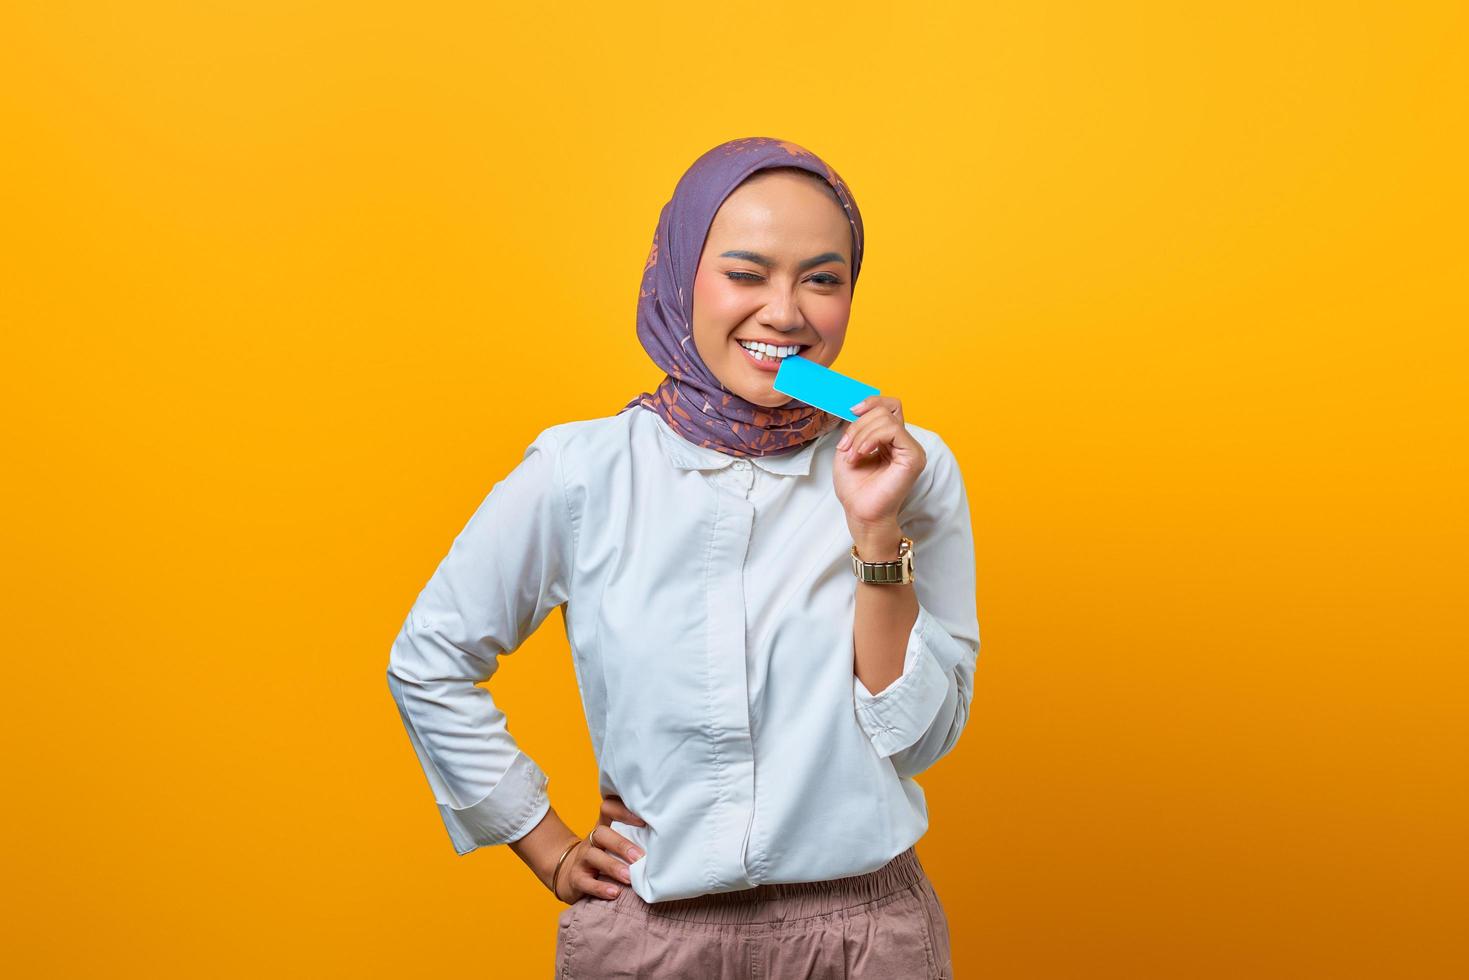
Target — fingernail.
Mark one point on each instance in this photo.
(611, 891)
(634, 853)
(625, 875)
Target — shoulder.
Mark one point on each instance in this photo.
(595, 440)
(591, 454)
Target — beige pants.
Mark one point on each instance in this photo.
(886, 924)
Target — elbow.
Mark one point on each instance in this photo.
(405, 662)
(394, 681)
(396, 678)
(396, 660)
(420, 657)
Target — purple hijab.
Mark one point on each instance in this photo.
(694, 402)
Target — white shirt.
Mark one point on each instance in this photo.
(708, 601)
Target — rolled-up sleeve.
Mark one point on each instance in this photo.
(504, 573)
(918, 718)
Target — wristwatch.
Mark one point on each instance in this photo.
(898, 572)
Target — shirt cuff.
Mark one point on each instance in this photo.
(897, 716)
(511, 810)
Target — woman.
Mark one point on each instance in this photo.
(757, 705)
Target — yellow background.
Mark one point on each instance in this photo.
(286, 288)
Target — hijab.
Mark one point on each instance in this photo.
(694, 402)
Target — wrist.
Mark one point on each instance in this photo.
(542, 846)
(877, 542)
(558, 871)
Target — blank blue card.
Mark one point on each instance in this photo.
(818, 385)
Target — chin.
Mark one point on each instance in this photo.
(765, 397)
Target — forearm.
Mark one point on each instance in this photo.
(542, 846)
(885, 613)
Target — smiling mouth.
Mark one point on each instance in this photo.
(766, 361)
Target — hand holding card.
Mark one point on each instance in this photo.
(877, 460)
(820, 386)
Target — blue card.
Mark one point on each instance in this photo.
(818, 385)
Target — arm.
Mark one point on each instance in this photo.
(504, 573)
(917, 644)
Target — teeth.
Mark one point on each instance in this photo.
(762, 351)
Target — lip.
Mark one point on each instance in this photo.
(770, 364)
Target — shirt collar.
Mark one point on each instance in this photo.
(687, 456)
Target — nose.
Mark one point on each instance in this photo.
(781, 313)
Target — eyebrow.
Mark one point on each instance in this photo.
(821, 259)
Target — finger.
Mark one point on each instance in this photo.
(895, 441)
(585, 881)
(609, 839)
(892, 409)
(860, 409)
(608, 864)
(614, 809)
(577, 878)
(856, 429)
(888, 402)
(884, 429)
(874, 449)
(590, 862)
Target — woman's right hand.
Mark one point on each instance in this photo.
(607, 853)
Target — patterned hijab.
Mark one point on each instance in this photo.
(694, 402)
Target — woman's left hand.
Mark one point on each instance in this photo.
(877, 463)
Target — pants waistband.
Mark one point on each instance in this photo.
(780, 901)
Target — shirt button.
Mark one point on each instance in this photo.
(740, 464)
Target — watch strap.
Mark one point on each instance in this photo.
(895, 572)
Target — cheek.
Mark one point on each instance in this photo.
(717, 301)
(829, 316)
(718, 310)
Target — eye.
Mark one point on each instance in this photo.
(820, 279)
